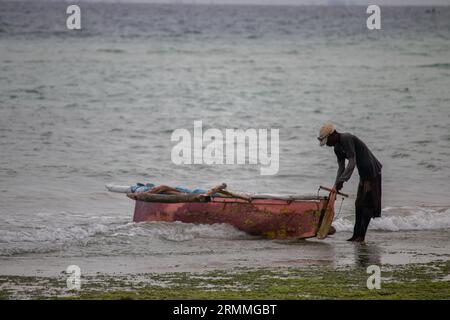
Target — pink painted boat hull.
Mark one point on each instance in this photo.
(275, 219)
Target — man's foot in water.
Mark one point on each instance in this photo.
(359, 239)
(352, 239)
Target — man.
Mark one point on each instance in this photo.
(368, 200)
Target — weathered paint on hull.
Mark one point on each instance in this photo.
(276, 219)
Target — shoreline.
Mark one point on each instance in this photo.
(413, 264)
(191, 255)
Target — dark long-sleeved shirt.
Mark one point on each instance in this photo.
(358, 154)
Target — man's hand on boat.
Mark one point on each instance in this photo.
(335, 189)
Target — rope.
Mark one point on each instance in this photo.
(339, 212)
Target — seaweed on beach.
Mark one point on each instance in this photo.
(410, 281)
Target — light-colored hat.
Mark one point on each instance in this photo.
(325, 131)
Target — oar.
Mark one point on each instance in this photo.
(338, 192)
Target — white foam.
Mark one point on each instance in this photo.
(48, 239)
(403, 218)
(59, 234)
(51, 238)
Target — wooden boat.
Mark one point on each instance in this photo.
(275, 217)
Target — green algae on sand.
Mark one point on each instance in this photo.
(412, 281)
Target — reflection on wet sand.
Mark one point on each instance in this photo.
(367, 254)
(306, 252)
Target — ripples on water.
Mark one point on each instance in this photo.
(81, 109)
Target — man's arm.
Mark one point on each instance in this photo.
(345, 174)
(341, 168)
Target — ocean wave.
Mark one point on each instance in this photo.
(45, 240)
(403, 219)
(59, 234)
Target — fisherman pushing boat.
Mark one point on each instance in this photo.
(368, 200)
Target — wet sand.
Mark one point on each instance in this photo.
(391, 248)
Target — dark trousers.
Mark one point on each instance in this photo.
(367, 205)
(363, 216)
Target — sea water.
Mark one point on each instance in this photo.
(79, 109)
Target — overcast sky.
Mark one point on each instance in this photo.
(299, 2)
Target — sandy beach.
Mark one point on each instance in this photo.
(343, 265)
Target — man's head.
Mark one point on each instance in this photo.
(328, 135)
